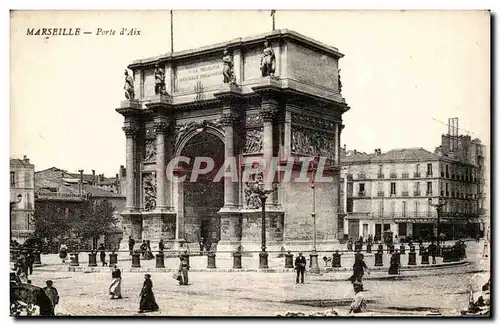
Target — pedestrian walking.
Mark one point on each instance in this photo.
(30, 261)
(115, 288)
(394, 264)
(358, 268)
(300, 267)
(183, 272)
(51, 292)
(63, 252)
(102, 254)
(131, 244)
(358, 304)
(148, 302)
(433, 250)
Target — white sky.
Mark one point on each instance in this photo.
(400, 70)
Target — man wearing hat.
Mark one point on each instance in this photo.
(300, 267)
(359, 303)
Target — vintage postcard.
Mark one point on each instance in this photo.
(279, 163)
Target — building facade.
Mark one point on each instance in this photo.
(393, 191)
(22, 198)
(223, 105)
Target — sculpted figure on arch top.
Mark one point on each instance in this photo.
(267, 61)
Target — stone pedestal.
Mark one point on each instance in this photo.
(160, 260)
(314, 263)
(412, 258)
(289, 260)
(37, 258)
(425, 257)
(136, 259)
(236, 260)
(211, 260)
(73, 260)
(263, 260)
(336, 260)
(113, 258)
(92, 259)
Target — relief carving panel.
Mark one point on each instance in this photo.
(312, 142)
(149, 191)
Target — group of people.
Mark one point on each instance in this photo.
(145, 248)
(23, 264)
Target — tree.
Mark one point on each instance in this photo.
(50, 222)
(94, 218)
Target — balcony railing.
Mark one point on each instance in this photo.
(380, 175)
(361, 194)
(361, 176)
(405, 175)
(380, 194)
(416, 193)
(59, 195)
(428, 193)
(395, 215)
(393, 175)
(416, 174)
(404, 193)
(429, 174)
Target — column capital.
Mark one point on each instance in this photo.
(130, 131)
(228, 119)
(161, 127)
(267, 112)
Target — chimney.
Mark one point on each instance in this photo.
(26, 159)
(355, 152)
(345, 147)
(93, 177)
(81, 181)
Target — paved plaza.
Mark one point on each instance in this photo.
(414, 292)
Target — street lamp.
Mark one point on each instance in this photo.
(258, 189)
(439, 208)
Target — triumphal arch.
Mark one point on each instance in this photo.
(270, 96)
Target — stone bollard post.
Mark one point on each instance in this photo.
(73, 259)
(136, 259)
(92, 259)
(336, 260)
(378, 258)
(412, 258)
(160, 260)
(113, 258)
(263, 260)
(37, 257)
(289, 260)
(211, 260)
(314, 269)
(446, 254)
(425, 257)
(402, 249)
(369, 248)
(236, 259)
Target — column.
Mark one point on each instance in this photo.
(130, 133)
(267, 113)
(337, 143)
(227, 121)
(160, 128)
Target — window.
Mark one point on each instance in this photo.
(393, 188)
(12, 179)
(417, 189)
(429, 169)
(381, 208)
(361, 189)
(429, 188)
(447, 193)
(417, 168)
(416, 209)
(429, 211)
(380, 169)
(393, 208)
(447, 171)
(404, 209)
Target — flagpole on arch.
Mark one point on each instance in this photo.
(273, 12)
(172, 31)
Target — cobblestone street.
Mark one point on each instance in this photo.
(268, 294)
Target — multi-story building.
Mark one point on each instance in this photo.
(394, 191)
(22, 194)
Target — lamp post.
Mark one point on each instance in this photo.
(258, 189)
(439, 208)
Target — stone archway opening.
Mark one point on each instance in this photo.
(203, 197)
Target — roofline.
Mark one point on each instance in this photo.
(237, 42)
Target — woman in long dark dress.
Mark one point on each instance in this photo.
(148, 255)
(394, 265)
(358, 268)
(148, 302)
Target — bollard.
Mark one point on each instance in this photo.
(237, 259)
(412, 258)
(336, 261)
(113, 258)
(211, 260)
(425, 257)
(73, 259)
(402, 249)
(160, 260)
(289, 260)
(136, 260)
(263, 260)
(369, 248)
(185, 256)
(92, 259)
(412, 248)
(314, 269)
(37, 258)
(378, 259)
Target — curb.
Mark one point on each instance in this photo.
(86, 269)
